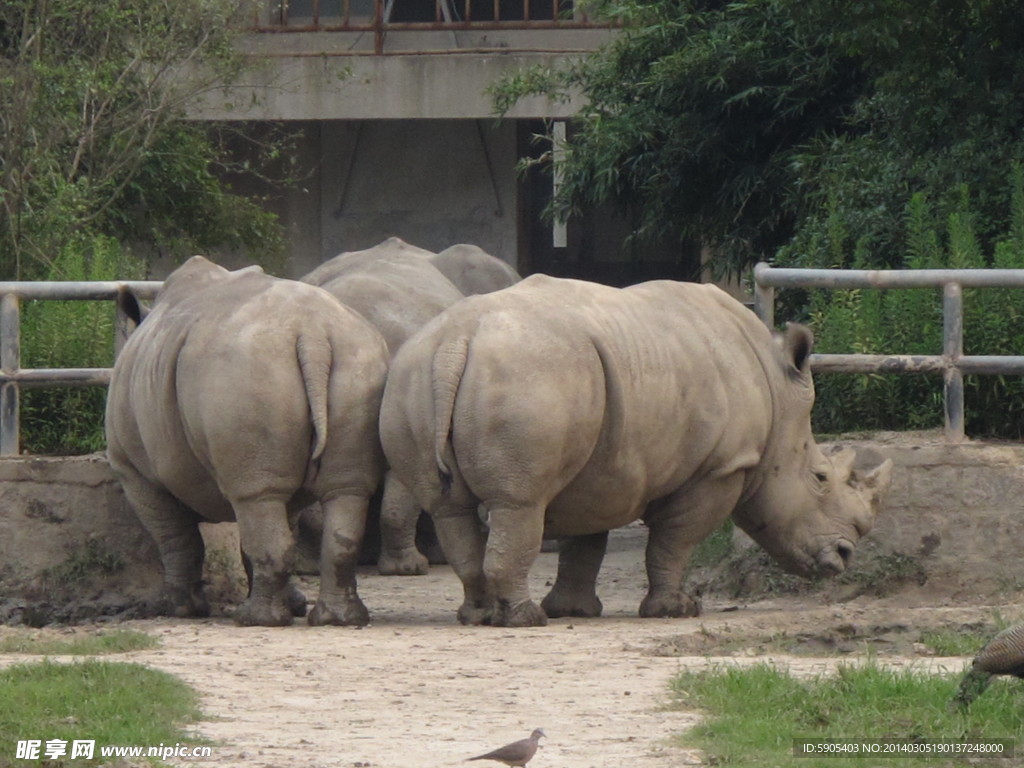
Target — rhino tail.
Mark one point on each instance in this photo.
(449, 365)
(315, 361)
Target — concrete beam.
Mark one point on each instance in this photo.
(368, 87)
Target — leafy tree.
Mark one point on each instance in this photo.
(759, 124)
(91, 96)
(943, 109)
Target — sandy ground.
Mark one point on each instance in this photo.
(415, 689)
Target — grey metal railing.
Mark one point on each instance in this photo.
(953, 364)
(13, 377)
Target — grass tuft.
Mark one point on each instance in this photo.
(111, 702)
(46, 644)
(753, 715)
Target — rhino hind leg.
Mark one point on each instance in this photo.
(574, 592)
(344, 523)
(175, 530)
(513, 543)
(464, 540)
(398, 517)
(268, 549)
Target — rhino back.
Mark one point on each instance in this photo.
(214, 383)
(397, 296)
(473, 270)
(627, 394)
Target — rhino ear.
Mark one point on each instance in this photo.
(878, 480)
(130, 306)
(797, 343)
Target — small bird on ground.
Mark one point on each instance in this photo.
(517, 754)
(1004, 655)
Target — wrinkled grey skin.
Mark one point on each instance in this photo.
(397, 291)
(244, 397)
(473, 270)
(569, 408)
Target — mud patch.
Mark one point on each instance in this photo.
(877, 640)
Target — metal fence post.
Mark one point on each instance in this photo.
(953, 350)
(764, 298)
(10, 362)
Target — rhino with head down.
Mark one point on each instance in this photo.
(569, 408)
(244, 397)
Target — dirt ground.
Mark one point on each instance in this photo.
(415, 689)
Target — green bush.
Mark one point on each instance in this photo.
(910, 322)
(71, 334)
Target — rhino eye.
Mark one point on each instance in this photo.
(821, 477)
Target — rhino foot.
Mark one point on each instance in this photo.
(296, 602)
(405, 563)
(252, 613)
(524, 614)
(476, 613)
(673, 605)
(353, 614)
(183, 603)
(559, 604)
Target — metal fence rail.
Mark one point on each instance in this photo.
(953, 364)
(13, 377)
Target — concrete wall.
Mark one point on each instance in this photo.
(70, 548)
(433, 183)
(956, 510)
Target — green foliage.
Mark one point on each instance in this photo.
(91, 136)
(755, 125)
(942, 110)
(71, 334)
(112, 703)
(692, 119)
(910, 322)
(754, 714)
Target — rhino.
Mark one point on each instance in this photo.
(473, 270)
(243, 397)
(567, 409)
(397, 290)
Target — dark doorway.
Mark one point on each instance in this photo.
(597, 245)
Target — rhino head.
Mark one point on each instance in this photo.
(806, 509)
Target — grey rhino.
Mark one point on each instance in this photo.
(473, 270)
(243, 397)
(397, 291)
(569, 408)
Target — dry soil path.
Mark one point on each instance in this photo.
(417, 690)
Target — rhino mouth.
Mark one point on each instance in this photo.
(834, 558)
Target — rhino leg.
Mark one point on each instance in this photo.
(269, 546)
(464, 540)
(294, 598)
(175, 529)
(344, 523)
(399, 514)
(513, 544)
(574, 592)
(677, 525)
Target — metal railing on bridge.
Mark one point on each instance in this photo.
(952, 364)
(13, 377)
